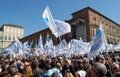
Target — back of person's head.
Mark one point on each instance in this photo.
(12, 69)
(59, 65)
(34, 64)
(55, 74)
(53, 64)
(4, 67)
(80, 65)
(100, 69)
(68, 74)
(85, 60)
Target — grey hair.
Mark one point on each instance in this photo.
(100, 69)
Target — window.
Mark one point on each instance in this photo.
(94, 31)
(1, 37)
(13, 38)
(9, 38)
(0, 44)
(5, 37)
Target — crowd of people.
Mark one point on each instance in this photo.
(103, 65)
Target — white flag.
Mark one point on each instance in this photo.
(62, 27)
(40, 43)
(47, 16)
(57, 27)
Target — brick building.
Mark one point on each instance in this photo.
(86, 23)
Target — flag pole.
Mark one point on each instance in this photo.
(53, 23)
(59, 38)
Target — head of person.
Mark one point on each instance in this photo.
(12, 69)
(59, 66)
(98, 70)
(55, 74)
(68, 74)
(27, 70)
(115, 68)
(4, 67)
(80, 65)
(102, 59)
(34, 64)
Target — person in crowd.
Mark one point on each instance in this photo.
(4, 71)
(68, 74)
(70, 69)
(115, 70)
(37, 72)
(0, 68)
(20, 66)
(13, 71)
(86, 64)
(55, 74)
(59, 66)
(98, 70)
(81, 71)
(52, 70)
(27, 70)
(103, 65)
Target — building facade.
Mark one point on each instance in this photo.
(84, 24)
(8, 33)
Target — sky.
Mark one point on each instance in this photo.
(28, 13)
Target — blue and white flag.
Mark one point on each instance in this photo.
(26, 46)
(49, 72)
(40, 43)
(63, 44)
(62, 27)
(48, 46)
(79, 47)
(57, 27)
(15, 48)
(40, 48)
(99, 43)
(47, 17)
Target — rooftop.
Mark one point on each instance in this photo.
(89, 8)
(11, 25)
